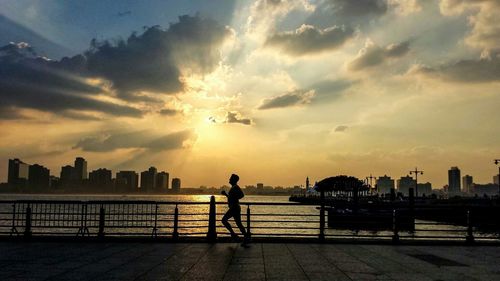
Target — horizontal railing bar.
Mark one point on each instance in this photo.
(146, 202)
(283, 227)
(283, 221)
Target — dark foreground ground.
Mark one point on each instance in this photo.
(229, 261)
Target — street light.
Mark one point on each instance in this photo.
(416, 172)
(497, 162)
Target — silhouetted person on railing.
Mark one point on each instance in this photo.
(233, 201)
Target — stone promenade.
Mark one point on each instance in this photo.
(229, 261)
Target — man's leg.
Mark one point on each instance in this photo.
(226, 223)
(237, 219)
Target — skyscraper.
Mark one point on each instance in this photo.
(80, 169)
(454, 180)
(148, 180)
(404, 185)
(67, 174)
(18, 172)
(127, 181)
(424, 188)
(384, 184)
(101, 179)
(162, 181)
(467, 182)
(176, 184)
(38, 176)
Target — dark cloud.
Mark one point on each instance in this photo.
(308, 39)
(28, 81)
(397, 50)
(169, 112)
(150, 62)
(328, 90)
(234, 117)
(349, 12)
(295, 98)
(10, 113)
(136, 139)
(372, 55)
(486, 69)
(341, 128)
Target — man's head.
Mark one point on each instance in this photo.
(233, 180)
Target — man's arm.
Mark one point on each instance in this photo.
(224, 193)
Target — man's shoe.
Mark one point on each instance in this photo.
(235, 238)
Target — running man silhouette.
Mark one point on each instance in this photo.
(233, 201)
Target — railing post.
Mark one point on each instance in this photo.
(102, 214)
(469, 239)
(155, 229)
(249, 234)
(13, 228)
(27, 229)
(322, 217)
(212, 231)
(411, 200)
(175, 235)
(395, 234)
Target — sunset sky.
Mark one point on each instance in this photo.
(272, 90)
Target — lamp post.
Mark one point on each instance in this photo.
(416, 172)
(497, 162)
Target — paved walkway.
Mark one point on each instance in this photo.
(224, 261)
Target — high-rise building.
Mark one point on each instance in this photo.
(384, 184)
(80, 169)
(38, 177)
(404, 185)
(67, 173)
(127, 181)
(495, 179)
(454, 180)
(101, 179)
(162, 181)
(424, 189)
(467, 182)
(176, 184)
(148, 180)
(18, 172)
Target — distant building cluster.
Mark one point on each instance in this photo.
(25, 177)
(35, 177)
(457, 185)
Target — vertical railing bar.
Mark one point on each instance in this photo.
(249, 233)
(154, 234)
(212, 230)
(102, 213)
(469, 239)
(13, 229)
(27, 228)
(175, 234)
(395, 235)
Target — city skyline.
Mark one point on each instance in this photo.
(271, 90)
(36, 175)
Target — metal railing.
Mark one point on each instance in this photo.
(202, 220)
